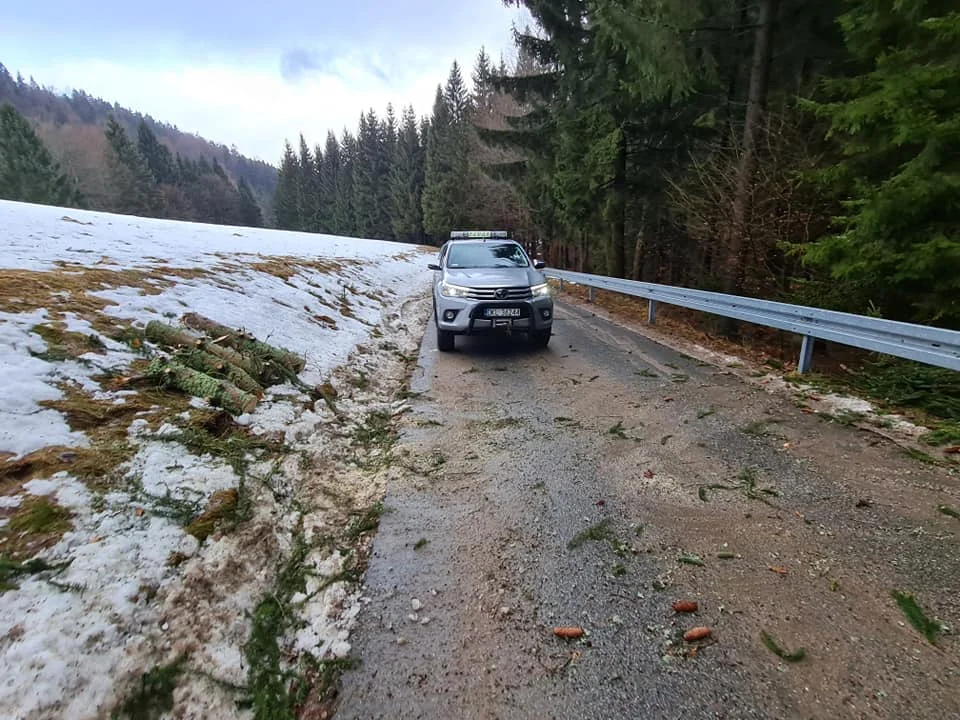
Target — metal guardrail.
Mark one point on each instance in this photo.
(925, 344)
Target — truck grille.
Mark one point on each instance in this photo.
(513, 293)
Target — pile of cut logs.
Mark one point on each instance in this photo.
(229, 367)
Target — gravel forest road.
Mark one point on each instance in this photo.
(536, 489)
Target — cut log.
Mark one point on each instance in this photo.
(170, 336)
(251, 366)
(244, 343)
(173, 338)
(220, 392)
(214, 365)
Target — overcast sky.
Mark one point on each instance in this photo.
(252, 73)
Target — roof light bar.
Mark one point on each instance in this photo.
(477, 234)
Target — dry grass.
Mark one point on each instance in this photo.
(68, 288)
(36, 524)
(105, 424)
(221, 506)
(286, 267)
(94, 465)
(27, 290)
(63, 344)
(324, 320)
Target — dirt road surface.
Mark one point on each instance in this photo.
(562, 488)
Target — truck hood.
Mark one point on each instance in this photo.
(495, 277)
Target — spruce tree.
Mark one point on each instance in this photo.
(457, 97)
(406, 181)
(133, 189)
(158, 156)
(482, 81)
(445, 178)
(28, 172)
(435, 215)
(898, 244)
(215, 198)
(286, 205)
(328, 184)
(389, 131)
(371, 174)
(187, 170)
(307, 190)
(344, 214)
(250, 214)
(364, 175)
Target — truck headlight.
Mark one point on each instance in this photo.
(448, 290)
(542, 290)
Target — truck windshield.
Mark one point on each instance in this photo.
(486, 255)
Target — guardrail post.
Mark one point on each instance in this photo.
(651, 311)
(561, 284)
(590, 293)
(806, 354)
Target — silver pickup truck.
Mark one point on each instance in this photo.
(485, 282)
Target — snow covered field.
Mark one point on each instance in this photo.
(104, 481)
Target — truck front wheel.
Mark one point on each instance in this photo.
(445, 341)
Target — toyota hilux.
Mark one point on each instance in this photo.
(485, 282)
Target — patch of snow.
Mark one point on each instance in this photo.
(27, 381)
(41, 487)
(843, 403)
(71, 643)
(72, 493)
(10, 501)
(329, 615)
(167, 468)
(38, 236)
(272, 310)
(716, 357)
(295, 424)
(138, 426)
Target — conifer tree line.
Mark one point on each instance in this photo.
(152, 181)
(804, 150)
(143, 177)
(801, 150)
(28, 171)
(401, 178)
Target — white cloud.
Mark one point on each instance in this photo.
(257, 98)
(251, 105)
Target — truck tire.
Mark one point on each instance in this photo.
(540, 338)
(445, 341)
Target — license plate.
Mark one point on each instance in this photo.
(501, 312)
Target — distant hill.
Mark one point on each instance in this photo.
(72, 127)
